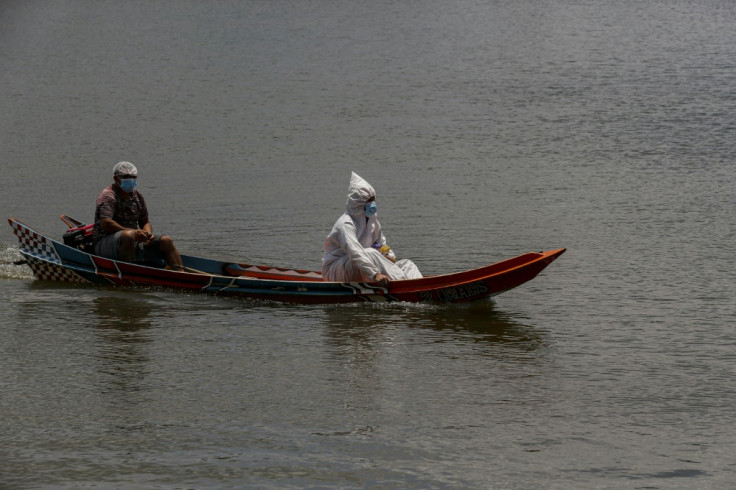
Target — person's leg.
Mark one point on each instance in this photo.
(161, 248)
(127, 245)
(387, 268)
(409, 268)
(166, 245)
(345, 271)
(341, 270)
(109, 246)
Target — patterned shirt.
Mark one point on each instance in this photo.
(129, 213)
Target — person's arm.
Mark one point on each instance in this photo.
(390, 255)
(143, 222)
(109, 225)
(356, 253)
(382, 280)
(148, 232)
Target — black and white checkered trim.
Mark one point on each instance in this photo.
(34, 244)
(49, 271)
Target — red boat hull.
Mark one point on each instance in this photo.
(52, 260)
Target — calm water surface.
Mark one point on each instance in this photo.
(488, 129)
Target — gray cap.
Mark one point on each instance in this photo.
(124, 168)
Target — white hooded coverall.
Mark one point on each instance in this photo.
(349, 255)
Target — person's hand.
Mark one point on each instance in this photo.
(382, 280)
(143, 236)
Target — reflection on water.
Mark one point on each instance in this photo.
(121, 326)
(122, 314)
(109, 327)
(483, 322)
(392, 357)
(380, 347)
(479, 322)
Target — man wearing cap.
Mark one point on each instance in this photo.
(122, 230)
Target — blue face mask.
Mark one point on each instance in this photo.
(127, 184)
(371, 209)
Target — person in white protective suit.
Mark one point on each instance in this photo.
(356, 249)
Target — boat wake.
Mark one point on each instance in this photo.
(9, 269)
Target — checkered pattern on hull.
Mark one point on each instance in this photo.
(49, 271)
(42, 257)
(34, 244)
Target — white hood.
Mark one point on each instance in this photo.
(359, 191)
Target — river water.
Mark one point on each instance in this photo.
(488, 129)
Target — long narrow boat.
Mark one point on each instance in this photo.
(56, 261)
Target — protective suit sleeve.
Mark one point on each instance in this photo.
(382, 239)
(356, 253)
(391, 255)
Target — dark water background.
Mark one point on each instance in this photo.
(489, 129)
